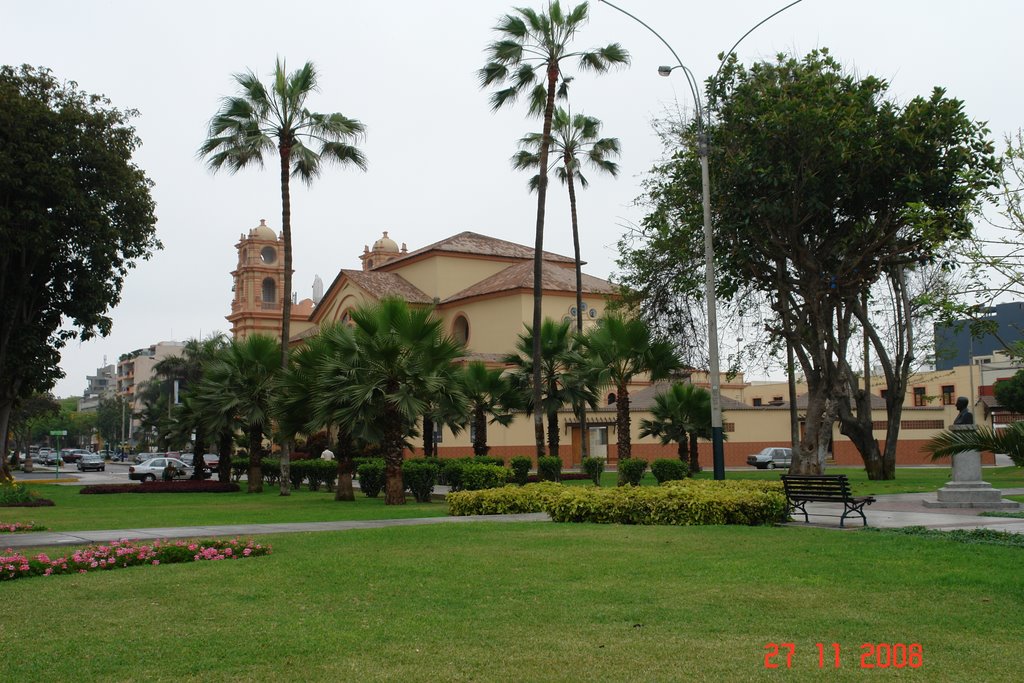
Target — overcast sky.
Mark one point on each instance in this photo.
(438, 157)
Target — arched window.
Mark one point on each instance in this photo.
(611, 399)
(269, 291)
(460, 329)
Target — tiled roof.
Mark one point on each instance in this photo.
(381, 284)
(476, 244)
(520, 276)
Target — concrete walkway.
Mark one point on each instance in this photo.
(889, 511)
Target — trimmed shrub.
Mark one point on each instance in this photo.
(669, 470)
(451, 474)
(565, 476)
(487, 460)
(521, 465)
(270, 468)
(593, 467)
(239, 467)
(631, 471)
(506, 500)
(476, 477)
(549, 468)
(683, 503)
(371, 478)
(420, 476)
(11, 493)
(320, 473)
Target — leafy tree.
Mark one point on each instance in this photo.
(491, 397)
(236, 389)
(681, 415)
(619, 349)
(75, 216)
(259, 120)
(823, 188)
(1010, 392)
(565, 379)
(187, 370)
(394, 361)
(27, 413)
(575, 140)
(528, 59)
(111, 416)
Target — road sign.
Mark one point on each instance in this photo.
(59, 432)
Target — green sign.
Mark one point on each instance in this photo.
(59, 432)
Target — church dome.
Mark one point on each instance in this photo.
(263, 231)
(385, 243)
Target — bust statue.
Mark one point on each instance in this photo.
(964, 417)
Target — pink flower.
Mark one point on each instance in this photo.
(156, 562)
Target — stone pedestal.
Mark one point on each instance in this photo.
(966, 489)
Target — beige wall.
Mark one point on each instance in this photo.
(442, 276)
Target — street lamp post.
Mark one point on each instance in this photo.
(717, 435)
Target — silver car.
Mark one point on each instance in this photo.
(93, 461)
(153, 469)
(771, 457)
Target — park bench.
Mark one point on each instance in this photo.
(823, 488)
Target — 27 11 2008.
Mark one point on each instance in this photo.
(829, 655)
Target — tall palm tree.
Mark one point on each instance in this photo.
(681, 415)
(187, 369)
(260, 119)
(491, 398)
(564, 380)
(527, 58)
(572, 137)
(620, 349)
(240, 383)
(394, 362)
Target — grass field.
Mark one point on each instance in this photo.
(530, 602)
(76, 512)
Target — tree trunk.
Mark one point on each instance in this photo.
(554, 437)
(5, 419)
(393, 446)
(820, 418)
(255, 473)
(480, 446)
(285, 148)
(224, 451)
(346, 467)
(581, 410)
(198, 451)
(428, 436)
(623, 438)
(694, 455)
(538, 255)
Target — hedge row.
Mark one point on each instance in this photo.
(683, 503)
(180, 486)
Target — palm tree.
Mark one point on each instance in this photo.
(619, 349)
(563, 374)
(491, 399)
(387, 370)
(187, 369)
(239, 383)
(572, 137)
(528, 57)
(1009, 441)
(260, 119)
(681, 414)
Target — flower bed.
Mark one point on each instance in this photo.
(181, 486)
(120, 554)
(17, 495)
(18, 527)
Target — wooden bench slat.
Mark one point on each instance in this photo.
(801, 489)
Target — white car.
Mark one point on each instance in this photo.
(771, 457)
(153, 469)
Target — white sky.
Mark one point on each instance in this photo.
(438, 157)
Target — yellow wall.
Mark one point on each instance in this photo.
(442, 276)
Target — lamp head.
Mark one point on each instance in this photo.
(665, 70)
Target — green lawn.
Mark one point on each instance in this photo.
(526, 602)
(908, 479)
(76, 512)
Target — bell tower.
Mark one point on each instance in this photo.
(258, 284)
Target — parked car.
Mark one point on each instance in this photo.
(143, 457)
(771, 457)
(153, 469)
(93, 461)
(70, 455)
(210, 460)
(52, 458)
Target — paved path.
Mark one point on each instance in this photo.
(889, 511)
